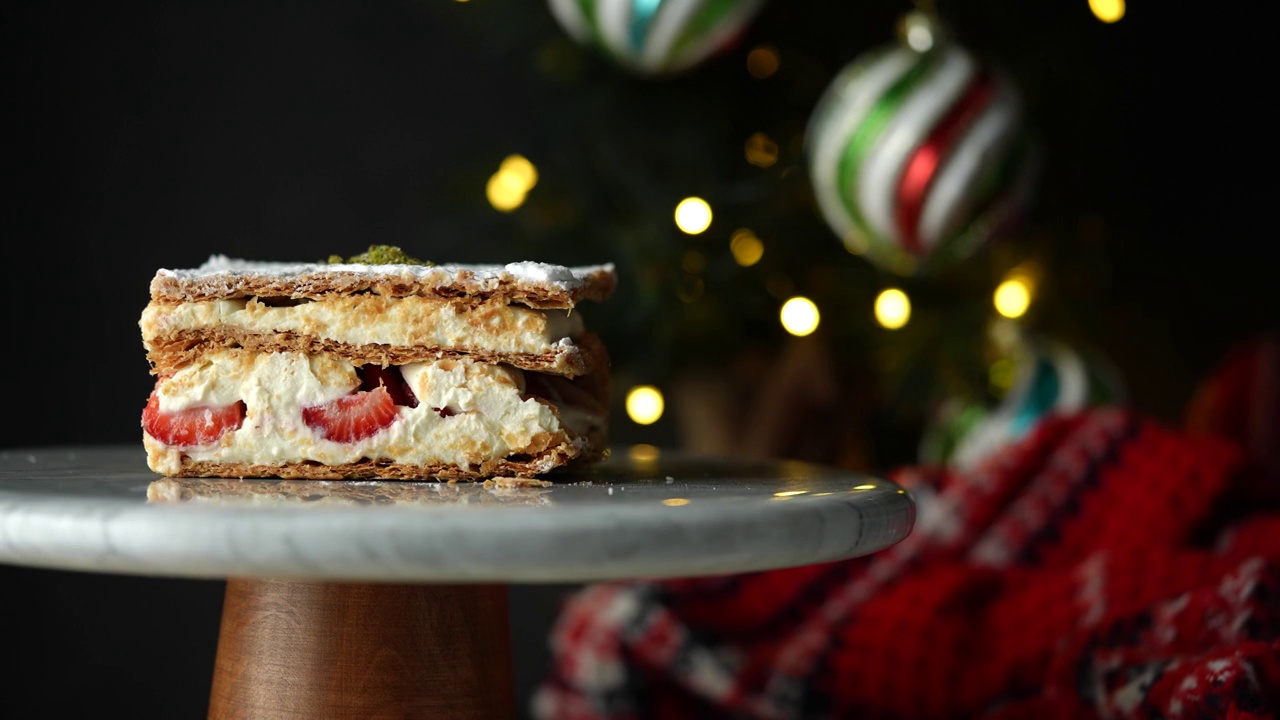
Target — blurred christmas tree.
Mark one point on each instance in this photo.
(703, 281)
(155, 134)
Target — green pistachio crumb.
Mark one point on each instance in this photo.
(380, 255)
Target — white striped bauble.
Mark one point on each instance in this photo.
(654, 37)
(917, 157)
(1050, 378)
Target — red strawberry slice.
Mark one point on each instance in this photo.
(352, 417)
(371, 376)
(193, 426)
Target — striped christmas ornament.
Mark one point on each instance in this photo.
(918, 157)
(1049, 378)
(654, 37)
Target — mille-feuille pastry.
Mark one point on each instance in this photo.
(378, 366)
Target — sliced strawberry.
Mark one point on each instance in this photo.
(352, 417)
(193, 426)
(372, 376)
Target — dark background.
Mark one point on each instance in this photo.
(151, 135)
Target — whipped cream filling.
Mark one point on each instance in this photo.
(489, 420)
(376, 319)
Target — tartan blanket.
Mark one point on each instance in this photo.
(1104, 567)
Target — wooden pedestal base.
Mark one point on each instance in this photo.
(326, 650)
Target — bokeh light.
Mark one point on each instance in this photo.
(693, 215)
(799, 316)
(920, 39)
(675, 502)
(1000, 376)
(507, 188)
(643, 453)
(644, 404)
(892, 308)
(1012, 297)
(504, 192)
(917, 30)
(693, 261)
(518, 167)
(763, 62)
(747, 249)
(779, 285)
(691, 288)
(761, 150)
(1108, 11)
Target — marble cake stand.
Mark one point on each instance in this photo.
(389, 599)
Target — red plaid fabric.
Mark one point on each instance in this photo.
(1103, 567)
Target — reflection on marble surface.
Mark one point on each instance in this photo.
(326, 493)
(642, 513)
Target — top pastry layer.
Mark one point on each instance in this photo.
(537, 285)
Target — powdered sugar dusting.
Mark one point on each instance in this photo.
(541, 272)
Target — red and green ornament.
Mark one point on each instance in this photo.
(918, 152)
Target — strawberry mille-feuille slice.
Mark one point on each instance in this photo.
(375, 366)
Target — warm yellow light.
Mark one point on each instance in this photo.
(519, 169)
(1001, 374)
(779, 285)
(821, 494)
(1004, 334)
(644, 404)
(795, 469)
(1012, 298)
(893, 308)
(762, 62)
(693, 215)
(799, 316)
(510, 182)
(867, 486)
(1108, 11)
(789, 493)
(761, 150)
(747, 249)
(675, 502)
(693, 261)
(691, 288)
(643, 452)
(505, 191)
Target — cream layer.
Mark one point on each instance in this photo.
(490, 418)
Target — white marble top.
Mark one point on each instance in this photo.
(640, 514)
